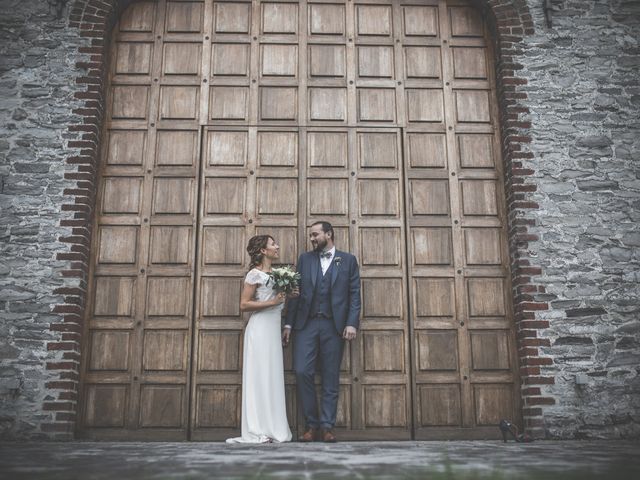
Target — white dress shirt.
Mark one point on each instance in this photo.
(325, 262)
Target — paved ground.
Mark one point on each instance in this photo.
(477, 460)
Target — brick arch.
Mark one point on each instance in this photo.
(509, 20)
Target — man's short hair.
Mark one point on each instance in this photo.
(326, 228)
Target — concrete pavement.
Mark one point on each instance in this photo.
(463, 460)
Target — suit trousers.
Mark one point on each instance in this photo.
(318, 340)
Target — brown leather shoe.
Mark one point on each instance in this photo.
(328, 436)
(309, 436)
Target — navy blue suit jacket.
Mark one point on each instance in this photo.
(345, 291)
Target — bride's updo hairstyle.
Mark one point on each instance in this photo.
(256, 244)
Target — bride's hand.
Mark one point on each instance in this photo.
(279, 298)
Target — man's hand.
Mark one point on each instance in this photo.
(349, 333)
(286, 335)
(294, 293)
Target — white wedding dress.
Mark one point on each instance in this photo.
(264, 414)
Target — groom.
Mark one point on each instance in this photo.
(326, 312)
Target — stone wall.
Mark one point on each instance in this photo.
(583, 92)
(578, 259)
(37, 86)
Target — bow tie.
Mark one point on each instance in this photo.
(325, 254)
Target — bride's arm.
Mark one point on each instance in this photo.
(248, 304)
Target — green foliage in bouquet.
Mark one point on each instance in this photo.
(285, 279)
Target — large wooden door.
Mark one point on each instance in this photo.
(227, 119)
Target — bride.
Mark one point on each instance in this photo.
(264, 415)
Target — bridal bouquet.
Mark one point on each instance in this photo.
(286, 279)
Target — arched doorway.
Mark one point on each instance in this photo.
(229, 118)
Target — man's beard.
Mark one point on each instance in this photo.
(320, 245)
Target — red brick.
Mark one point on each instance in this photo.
(539, 381)
(525, 371)
(537, 361)
(525, 391)
(539, 401)
(534, 324)
(69, 346)
(531, 412)
(58, 406)
(58, 385)
(62, 366)
(535, 342)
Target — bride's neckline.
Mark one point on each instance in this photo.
(256, 268)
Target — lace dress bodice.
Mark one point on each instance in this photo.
(265, 290)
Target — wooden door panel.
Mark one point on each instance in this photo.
(439, 405)
(378, 150)
(279, 18)
(326, 19)
(162, 406)
(384, 406)
(327, 61)
(184, 17)
(463, 358)
(469, 62)
(230, 59)
(114, 296)
(164, 350)
(426, 150)
(227, 119)
(129, 102)
(133, 58)
(105, 405)
(182, 58)
(229, 103)
(220, 351)
(218, 407)
(177, 148)
(375, 61)
(117, 244)
(432, 246)
(225, 195)
(249, 184)
(381, 298)
(422, 62)
(383, 351)
(472, 106)
(420, 20)
(139, 18)
(109, 350)
(121, 195)
(476, 151)
(223, 245)
(125, 147)
(376, 105)
(226, 148)
(134, 381)
(424, 105)
(328, 104)
(278, 149)
(374, 20)
(465, 22)
(279, 60)
(327, 149)
(168, 296)
(437, 350)
(232, 17)
(278, 103)
(328, 197)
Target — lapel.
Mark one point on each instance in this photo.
(315, 266)
(334, 270)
